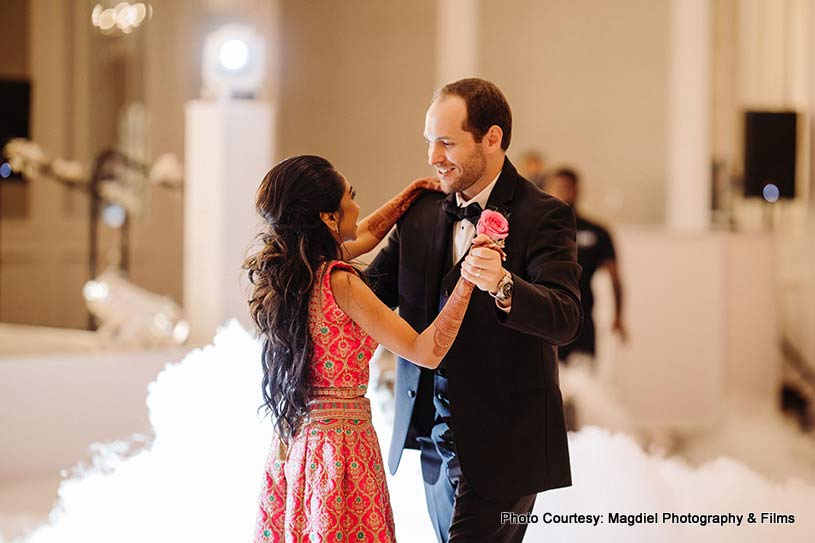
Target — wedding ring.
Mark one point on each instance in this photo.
(478, 273)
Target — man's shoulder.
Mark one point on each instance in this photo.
(530, 202)
(428, 198)
(425, 204)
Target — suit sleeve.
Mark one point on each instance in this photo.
(383, 273)
(547, 302)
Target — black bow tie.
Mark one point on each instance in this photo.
(455, 213)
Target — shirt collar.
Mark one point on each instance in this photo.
(481, 197)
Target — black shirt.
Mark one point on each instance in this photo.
(594, 248)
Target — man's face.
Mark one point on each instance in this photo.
(458, 159)
(562, 188)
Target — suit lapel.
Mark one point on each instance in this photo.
(451, 273)
(440, 274)
(501, 198)
(504, 189)
(438, 250)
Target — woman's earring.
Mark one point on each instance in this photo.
(338, 229)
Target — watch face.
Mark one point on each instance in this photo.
(506, 290)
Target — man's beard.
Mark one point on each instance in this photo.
(471, 172)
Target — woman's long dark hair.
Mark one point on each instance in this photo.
(290, 199)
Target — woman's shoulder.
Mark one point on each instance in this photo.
(331, 276)
(336, 277)
(332, 265)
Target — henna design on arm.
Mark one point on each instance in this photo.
(381, 221)
(452, 314)
(449, 320)
(376, 226)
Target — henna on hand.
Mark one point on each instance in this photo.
(383, 219)
(452, 314)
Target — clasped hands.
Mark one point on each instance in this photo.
(483, 265)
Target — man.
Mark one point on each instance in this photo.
(489, 421)
(533, 167)
(594, 250)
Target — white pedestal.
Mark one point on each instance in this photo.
(702, 319)
(228, 151)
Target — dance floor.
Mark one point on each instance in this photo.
(197, 477)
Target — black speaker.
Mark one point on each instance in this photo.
(15, 107)
(770, 143)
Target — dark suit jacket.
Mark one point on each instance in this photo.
(506, 406)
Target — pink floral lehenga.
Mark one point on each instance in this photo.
(329, 486)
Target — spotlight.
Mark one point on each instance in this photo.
(132, 316)
(95, 291)
(114, 216)
(233, 63)
(771, 192)
(234, 55)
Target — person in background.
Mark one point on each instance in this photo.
(595, 250)
(533, 167)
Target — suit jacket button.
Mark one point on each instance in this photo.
(411, 393)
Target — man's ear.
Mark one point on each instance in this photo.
(493, 137)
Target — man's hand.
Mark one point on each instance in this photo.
(483, 265)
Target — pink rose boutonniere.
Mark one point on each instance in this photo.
(496, 227)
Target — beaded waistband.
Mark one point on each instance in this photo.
(324, 408)
(324, 393)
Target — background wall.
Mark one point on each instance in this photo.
(356, 80)
(42, 252)
(13, 40)
(587, 82)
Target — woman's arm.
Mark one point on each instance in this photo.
(386, 327)
(376, 226)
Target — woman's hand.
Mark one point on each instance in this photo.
(376, 225)
(483, 265)
(482, 240)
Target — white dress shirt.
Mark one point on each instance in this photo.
(464, 231)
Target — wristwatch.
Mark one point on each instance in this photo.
(504, 290)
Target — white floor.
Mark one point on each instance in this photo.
(198, 480)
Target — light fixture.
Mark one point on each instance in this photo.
(771, 192)
(233, 63)
(114, 215)
(234, 55)
(122, 17)
(132, 316)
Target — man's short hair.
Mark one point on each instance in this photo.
(486, 106)
(568, 173)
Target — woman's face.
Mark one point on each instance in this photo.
(348, 214)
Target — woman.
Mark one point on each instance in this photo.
(320, 324)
